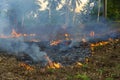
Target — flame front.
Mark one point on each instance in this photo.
(15, 34)
(52, 64)
(27, 67)
(84, 40)
(102, 43)
(92, 34)
(67, 36)
(99, 43)
(54, 43)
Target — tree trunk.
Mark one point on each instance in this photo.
(67, 14)
(98, 16)
(105, 8)
(74, 16)
(49, 12)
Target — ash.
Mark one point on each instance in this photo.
(63, 53)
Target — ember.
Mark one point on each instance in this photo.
(92, 33)
(54, 43)
(26, 66)
(58, 52)
(99, 43)
(53, 34)
(52, 64)
(15, 34)
(79, 64)
(67, 36)
(84, 40)
(102, 43)
(3, 36)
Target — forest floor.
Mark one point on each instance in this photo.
(104, 64)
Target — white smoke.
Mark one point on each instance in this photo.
(25, 16)
(18, 47)
(17, 9)
(4, 22)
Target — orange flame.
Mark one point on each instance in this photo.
(15, 34)
(34, 40)
(79, 64)
(27, 67)
(92, 33)
(32, 34)
(3, 36)
(54, 43)
(52, 64)
(67, 36)
(25, 35)
(102, 43)
(99, 44)
(84, 40)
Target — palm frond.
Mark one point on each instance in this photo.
(78, 2)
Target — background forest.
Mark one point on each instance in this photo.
(42, 16)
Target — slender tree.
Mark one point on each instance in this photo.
(74, 4)
(67, 9)
(105, 8)
(52, 5)
(99, 6)
(70, 5)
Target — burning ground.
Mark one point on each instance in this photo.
(94, 58)
(35, 49)
(104, 64)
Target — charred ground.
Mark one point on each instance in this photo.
(104, 64)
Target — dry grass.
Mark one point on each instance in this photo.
(103, 65)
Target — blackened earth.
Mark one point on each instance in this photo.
(104, 64)
(61, 53)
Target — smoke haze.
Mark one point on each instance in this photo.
(25, 17)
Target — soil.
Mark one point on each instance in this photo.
(104, 64)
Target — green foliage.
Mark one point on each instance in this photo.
(109, 78)
(69, 77)
(100, 71)
(51, 71)
(113, 9)
(82, 76)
